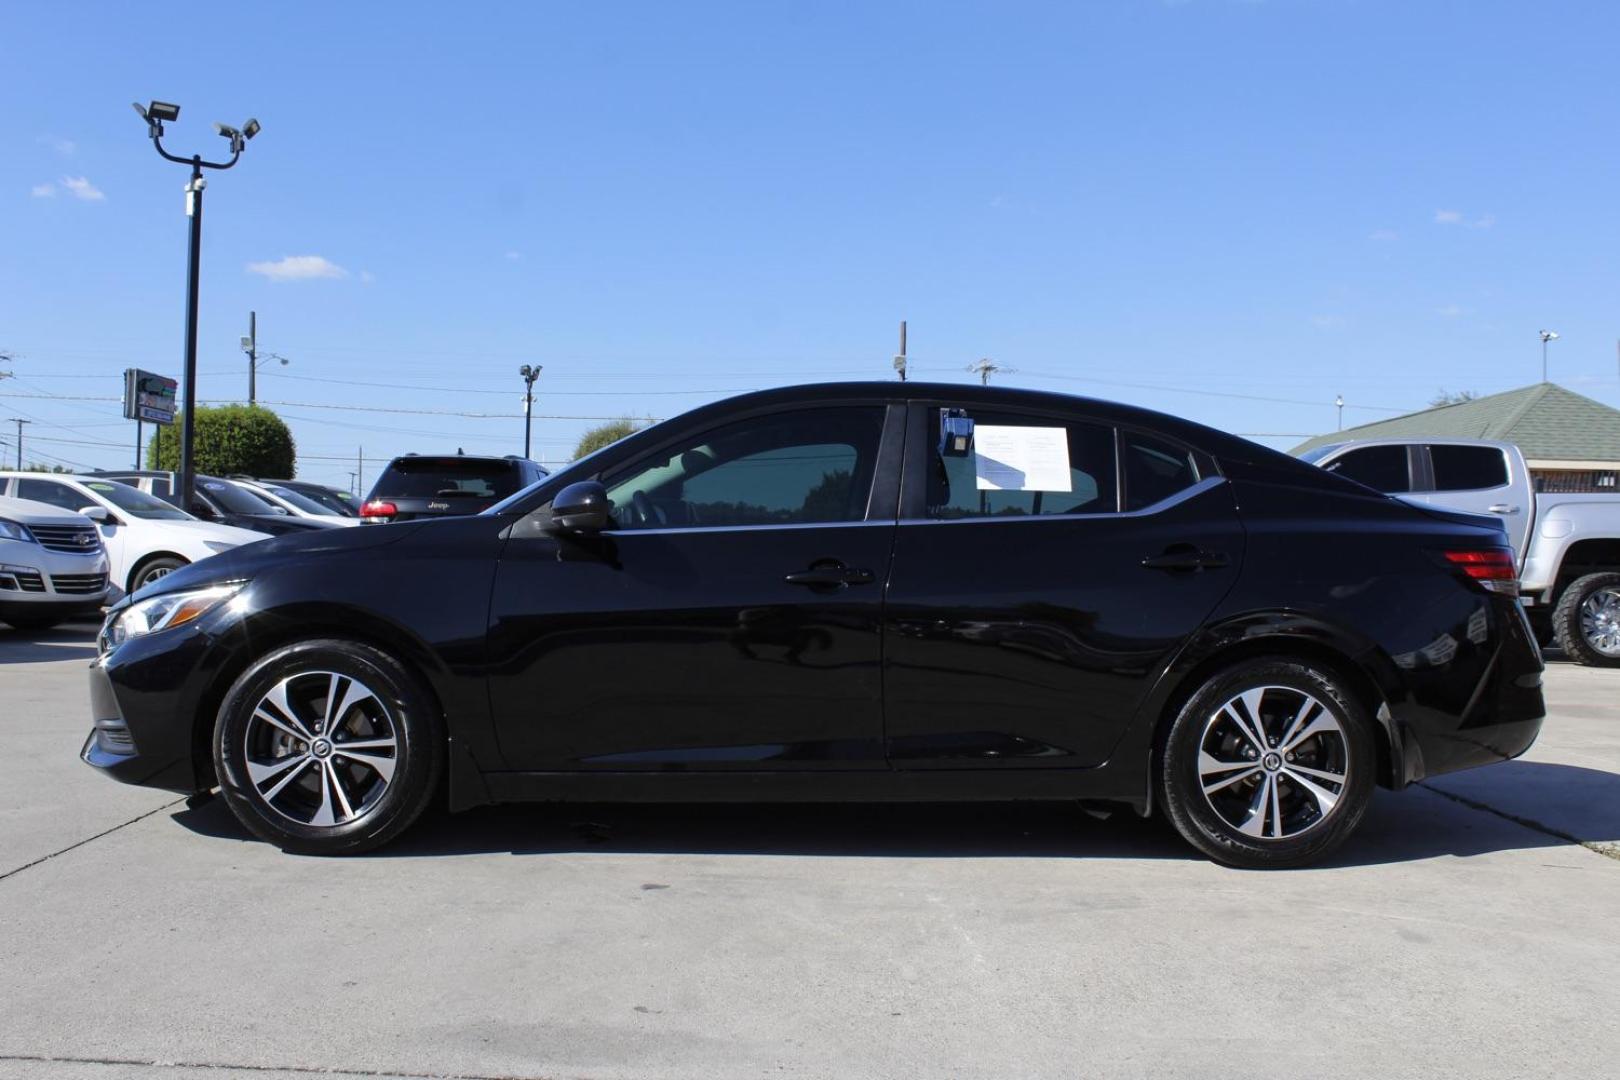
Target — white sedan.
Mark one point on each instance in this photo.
(145, 537)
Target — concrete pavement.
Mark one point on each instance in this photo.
(1448, 939)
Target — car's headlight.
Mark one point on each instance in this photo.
(217, 546)
(12, 530)
(165, 612)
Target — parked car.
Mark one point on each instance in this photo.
(334, 499)
(224, 502)
(842, 592)
(145, 537)
(53, 566)
(423, 485)
(294, 502)
(1567, 546)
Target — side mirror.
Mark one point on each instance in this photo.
(581, 508)
(98, 514)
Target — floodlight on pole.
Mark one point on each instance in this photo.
(156, 114)
(529, 373)
(1338, 401)
(1546, 336)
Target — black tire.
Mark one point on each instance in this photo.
(150, 570)
(397, 707)
(1300, 837)
(32, 622)
(1566, 620)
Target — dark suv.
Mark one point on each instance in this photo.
(421, 485)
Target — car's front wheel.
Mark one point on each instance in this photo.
(1270, 764)
(328, 747)
(153, 569)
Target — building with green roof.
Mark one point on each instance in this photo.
(1571, 442)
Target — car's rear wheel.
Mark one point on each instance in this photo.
(328, 748)
(1586, 621)
(1270, 764)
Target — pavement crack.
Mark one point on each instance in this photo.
(1608, 851)
(223, 1066)
(88, 840)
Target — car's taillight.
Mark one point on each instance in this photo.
(1492, 568)
(378, 511)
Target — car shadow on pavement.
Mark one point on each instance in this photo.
(70, 641)
(1400, 827)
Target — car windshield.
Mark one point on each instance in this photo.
(447, 478)
(235, 499)
(298, 501)
(136, 503)
(1320, 452)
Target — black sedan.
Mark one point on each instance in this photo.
(846, 592)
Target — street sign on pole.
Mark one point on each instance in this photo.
(148, 397)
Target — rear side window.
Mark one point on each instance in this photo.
(966, 486)
(1382, 468)
(447, 478)
(49, 491)
(1154, 470)
(1468, 468)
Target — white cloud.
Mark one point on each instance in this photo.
(1457, 217)
(1383, 236)
(298, 268)
(65, 147)
(82, 189)
(43, 191)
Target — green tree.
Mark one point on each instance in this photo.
(604, 434)
(1451, 397)
(229, 439)
(40, 466)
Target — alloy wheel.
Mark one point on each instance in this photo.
(321, 748)
(155, 573)
(1600, 621)
(1273, 762)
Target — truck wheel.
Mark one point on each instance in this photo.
(1586, 621)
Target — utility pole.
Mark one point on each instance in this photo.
(359, 472)
(900, 358)
(20, 424)
(155, 115)
(530, 372)
(250, 345)
(985, 369)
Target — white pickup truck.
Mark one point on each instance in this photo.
(1567, 545)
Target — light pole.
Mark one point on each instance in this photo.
(1546, 336)
(250, 345)
(1338, 402)
(155, 115)
(20, 424)
(530, 372)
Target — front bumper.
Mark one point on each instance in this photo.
(145, 697)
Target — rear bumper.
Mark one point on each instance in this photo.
(1500, 719)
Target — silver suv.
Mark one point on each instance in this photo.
(52, 565)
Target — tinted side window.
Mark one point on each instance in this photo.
(1468, 468)
(1154, 470)
(49, 491)
(961, 487)
(1382, 468)
(807, 467)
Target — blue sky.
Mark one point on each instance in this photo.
(1187, 205)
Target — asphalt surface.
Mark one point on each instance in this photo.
(1470, 929)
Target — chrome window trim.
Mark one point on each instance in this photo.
(689, 530)
(1209, 483)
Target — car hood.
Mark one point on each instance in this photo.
(251, 559)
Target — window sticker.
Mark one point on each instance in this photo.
(1021, 458)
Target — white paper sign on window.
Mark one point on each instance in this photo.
(1021, 458)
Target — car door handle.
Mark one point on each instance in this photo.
(1503, 508)
(831, 575)
(1186, 558)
